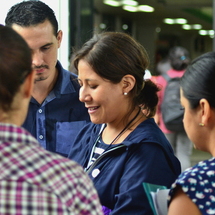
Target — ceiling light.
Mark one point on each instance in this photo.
(145, 8)
(180, 21)
(207, 32)
(192, 27)
(197, 26)
(112, 3)
(169, 21)
(130, 8)
(186, 27)
(130, 2)
(211, 32)
(203, 32)
(175, 21)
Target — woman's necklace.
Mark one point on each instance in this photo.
(124, 129)
(117, 137)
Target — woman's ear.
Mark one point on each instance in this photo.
(128, 82)
(205, 111)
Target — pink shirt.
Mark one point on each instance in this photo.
(161, 83)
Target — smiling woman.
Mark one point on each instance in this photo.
(118, 148)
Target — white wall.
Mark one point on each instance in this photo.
(61, 9)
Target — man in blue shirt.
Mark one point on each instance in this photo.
(55, 113)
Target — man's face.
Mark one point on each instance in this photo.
(44, 45)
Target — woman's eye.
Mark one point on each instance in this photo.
(93, 86)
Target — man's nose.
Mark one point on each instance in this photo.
(37, 59)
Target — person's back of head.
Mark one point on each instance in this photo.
(15, 61)
(179, 58)
(30, 13)
(112, 55)
(198, 80)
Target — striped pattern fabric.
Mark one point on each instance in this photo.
(35, 181)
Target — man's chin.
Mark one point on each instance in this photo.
(41, 78)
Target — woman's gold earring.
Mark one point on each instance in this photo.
(201, 124)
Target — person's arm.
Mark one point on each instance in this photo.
(146, 163)
(182, 204)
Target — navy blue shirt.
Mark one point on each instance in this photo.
(118, 174)
(56, 121)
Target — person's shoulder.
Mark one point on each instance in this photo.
(148, 131)
(202, 170)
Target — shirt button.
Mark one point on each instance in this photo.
(95, 172)
(41, 137)
(40, 110)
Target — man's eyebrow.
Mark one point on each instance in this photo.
(48, 44)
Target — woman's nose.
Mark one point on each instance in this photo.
(84, 96)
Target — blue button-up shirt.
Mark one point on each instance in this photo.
(56, 121)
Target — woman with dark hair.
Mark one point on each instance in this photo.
(123, 147)
(193, 191)
(179, 59)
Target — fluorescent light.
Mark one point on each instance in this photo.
(192, 27)
(180, 21)
(211, 32)
(203, 32)
(112, 3)
(130, 2)
(130, 8)
(129, 5)
(169, 21)
(145, 8)
(197, 26)
(207, 32)
(175, 21)
(186, 27)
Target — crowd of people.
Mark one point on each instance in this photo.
(179, 58)
(85, 143)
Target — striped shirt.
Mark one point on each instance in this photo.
(35, 181)
(100, 148)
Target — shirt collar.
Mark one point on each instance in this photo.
(63, 84)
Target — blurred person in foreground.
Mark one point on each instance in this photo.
(193, 191)
(123, 147)
(55, 113)
(33, 180)
(179, 59)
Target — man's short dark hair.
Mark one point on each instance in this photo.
(29, 13)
